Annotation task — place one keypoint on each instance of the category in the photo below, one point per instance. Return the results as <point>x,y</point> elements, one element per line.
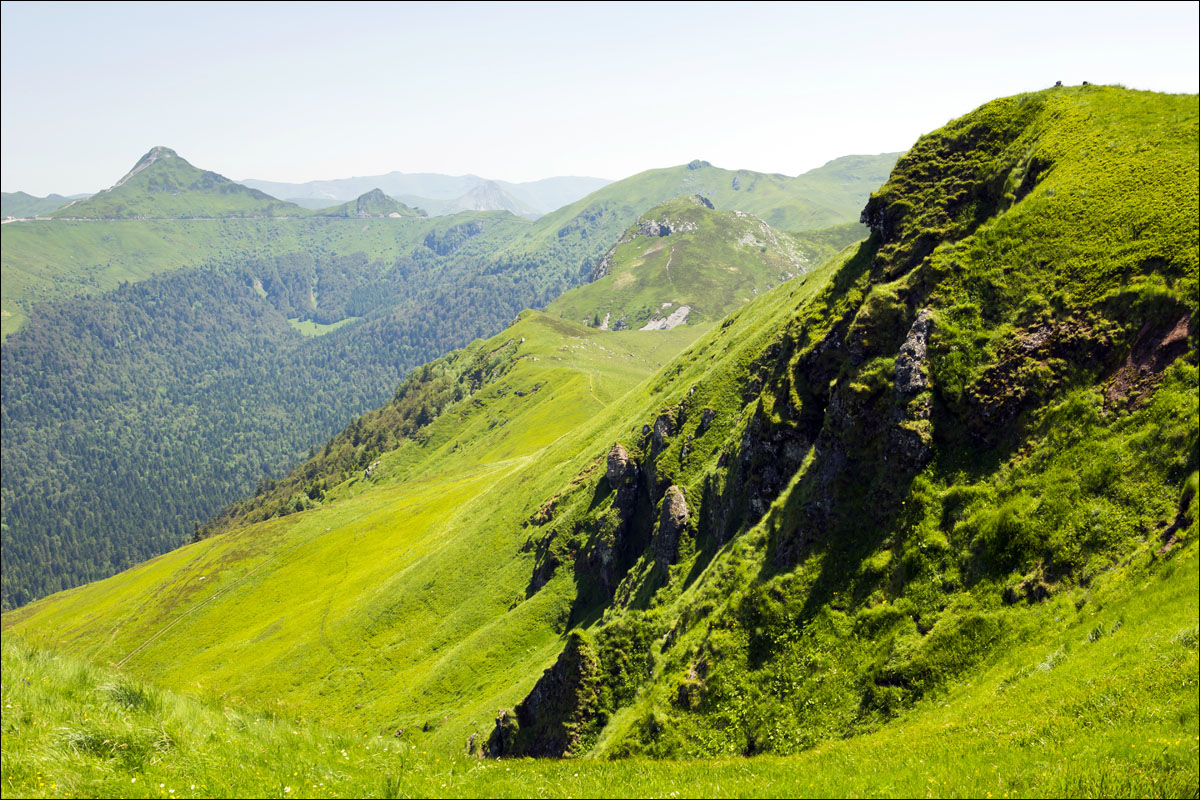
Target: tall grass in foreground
<point>1106,706</point>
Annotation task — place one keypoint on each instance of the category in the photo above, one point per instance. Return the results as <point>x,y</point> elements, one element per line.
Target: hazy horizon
<point>520,92</point>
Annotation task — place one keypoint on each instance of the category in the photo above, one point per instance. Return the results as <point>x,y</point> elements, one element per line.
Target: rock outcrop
<point>618,460</point>
<point>562,712</point>
<point>672,523</point>
<point>662,430</point>
<point>910,375</point>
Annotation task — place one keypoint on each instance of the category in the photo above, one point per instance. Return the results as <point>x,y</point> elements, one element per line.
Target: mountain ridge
<point>537,197</point>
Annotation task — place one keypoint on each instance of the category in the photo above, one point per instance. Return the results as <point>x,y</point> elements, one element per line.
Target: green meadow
<point>1103,703</point>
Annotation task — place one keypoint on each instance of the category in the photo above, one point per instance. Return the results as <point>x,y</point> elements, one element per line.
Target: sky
<point>297,91</point>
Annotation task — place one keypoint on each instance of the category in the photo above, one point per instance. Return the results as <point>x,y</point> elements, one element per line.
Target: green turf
<point>389,546</point>
<point>1102,704</point>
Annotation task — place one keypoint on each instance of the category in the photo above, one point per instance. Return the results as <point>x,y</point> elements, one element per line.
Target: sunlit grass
<point>1112,715</point>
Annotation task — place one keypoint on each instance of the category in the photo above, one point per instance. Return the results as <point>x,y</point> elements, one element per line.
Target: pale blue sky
<point>296,92</point>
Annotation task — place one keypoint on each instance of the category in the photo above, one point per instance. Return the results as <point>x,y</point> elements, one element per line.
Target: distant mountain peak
<point>375,203</point>
<point>155,154</point>
<point>163,185</point>
<point>491,196</point>
<point>698,164</point>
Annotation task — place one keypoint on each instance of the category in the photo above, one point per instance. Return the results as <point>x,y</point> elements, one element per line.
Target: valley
<point>125,337</point>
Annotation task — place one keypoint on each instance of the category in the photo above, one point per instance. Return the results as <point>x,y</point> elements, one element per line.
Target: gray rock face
<point>561,712</point>
<point>604,264</point>
<point>618,460</point>
<point>672,522</point>
<point>663,428</point>
<point>910,378</point>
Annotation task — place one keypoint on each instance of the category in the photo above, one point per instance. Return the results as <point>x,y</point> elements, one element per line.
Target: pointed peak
<point>374,194</point>
<point>155,154</point>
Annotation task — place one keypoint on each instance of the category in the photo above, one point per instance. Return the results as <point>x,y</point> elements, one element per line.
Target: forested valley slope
<point>179,338</point>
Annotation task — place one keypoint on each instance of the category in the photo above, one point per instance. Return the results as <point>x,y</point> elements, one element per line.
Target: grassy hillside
<point>872,517</point>
<point>820,198</point>
<point>163,185</point>
<point>684,262</point>
<point>20,204</point>
<point>394,551</point>
<point>578,235</point>
<point>120,430</point>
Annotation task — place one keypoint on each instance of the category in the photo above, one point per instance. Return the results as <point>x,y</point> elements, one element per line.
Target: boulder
<point>618,461</point>
<point>672,522</point>
<point>663,428</point>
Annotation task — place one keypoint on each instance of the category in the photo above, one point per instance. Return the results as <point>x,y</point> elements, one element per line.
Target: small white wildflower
<point>287,789</point>
<point>133,780</point>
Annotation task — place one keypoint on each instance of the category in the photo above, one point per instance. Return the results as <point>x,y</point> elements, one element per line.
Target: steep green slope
<point>947,434</point>
<point>372,204</point>
<point>993,404</point>
<point>474,388</point>
<point>163,185</point>
<point>19,205</point>
<point>721,259</point>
